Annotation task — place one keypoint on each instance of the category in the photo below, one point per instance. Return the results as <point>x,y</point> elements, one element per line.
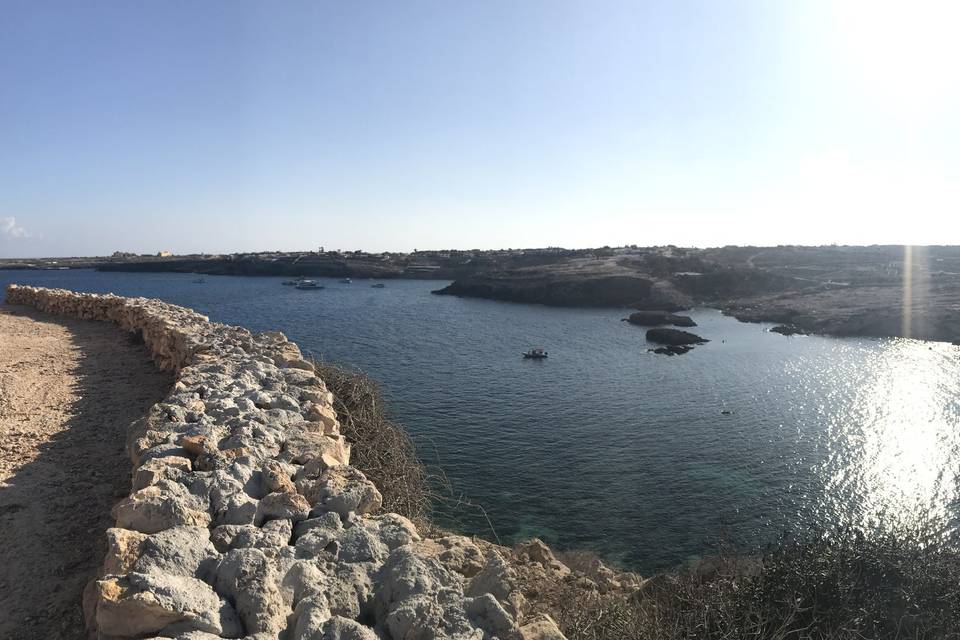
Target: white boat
<point>307,284</point>
<point>346,280</point>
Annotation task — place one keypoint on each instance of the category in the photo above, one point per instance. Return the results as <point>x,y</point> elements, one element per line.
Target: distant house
<point>164,254</point>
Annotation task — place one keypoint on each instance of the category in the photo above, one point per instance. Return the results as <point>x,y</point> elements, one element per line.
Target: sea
<point>648,460</point>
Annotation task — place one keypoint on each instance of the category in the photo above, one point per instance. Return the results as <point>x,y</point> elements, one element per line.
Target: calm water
<point>605,446</point>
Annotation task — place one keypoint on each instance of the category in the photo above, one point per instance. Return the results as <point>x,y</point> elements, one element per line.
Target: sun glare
<point>903,53</point>
<point>905,437</point>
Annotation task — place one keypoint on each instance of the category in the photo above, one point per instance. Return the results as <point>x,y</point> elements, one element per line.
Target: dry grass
<point>382,449</point>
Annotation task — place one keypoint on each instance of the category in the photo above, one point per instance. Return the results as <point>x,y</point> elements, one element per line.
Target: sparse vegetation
<point>846,586</point>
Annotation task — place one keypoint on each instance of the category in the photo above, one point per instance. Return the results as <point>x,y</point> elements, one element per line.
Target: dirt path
<point>68,391</point>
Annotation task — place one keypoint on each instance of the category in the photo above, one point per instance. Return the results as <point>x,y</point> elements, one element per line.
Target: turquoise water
<point>604,446</point>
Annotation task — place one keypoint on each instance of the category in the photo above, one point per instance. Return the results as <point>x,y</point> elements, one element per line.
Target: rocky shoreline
<point>245,518</point>
<point>872,291</point>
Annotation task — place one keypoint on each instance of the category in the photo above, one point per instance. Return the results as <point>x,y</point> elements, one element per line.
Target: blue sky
<point>234,126</point>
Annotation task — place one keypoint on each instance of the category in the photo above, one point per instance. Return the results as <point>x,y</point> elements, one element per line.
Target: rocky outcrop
<point>655,318</point>
<point>676,337</point>
<point>545,287</point>
<point>788,330</point>
<point>245,518</point>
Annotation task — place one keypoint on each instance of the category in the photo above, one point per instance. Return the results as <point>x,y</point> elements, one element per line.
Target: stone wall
<point>245,518</point>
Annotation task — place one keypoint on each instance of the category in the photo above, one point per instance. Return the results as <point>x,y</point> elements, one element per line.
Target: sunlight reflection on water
<point>893,454</point>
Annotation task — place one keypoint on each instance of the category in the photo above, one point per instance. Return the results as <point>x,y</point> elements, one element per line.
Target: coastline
<point>245,516</point>
<point>874,291</point>
<point>244,521</point>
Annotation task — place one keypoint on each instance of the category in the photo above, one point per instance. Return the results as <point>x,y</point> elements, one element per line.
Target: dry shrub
<point>847,586</point>
<point>382,449</point>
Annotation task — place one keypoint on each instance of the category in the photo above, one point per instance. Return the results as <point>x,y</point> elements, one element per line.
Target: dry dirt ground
<point>68,391</point>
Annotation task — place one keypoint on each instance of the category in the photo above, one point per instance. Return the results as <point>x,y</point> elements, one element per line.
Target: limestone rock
<point>340,628</point>
<point>123,550</point>
<point>178,551</point>
<point>309,617</point>
<point>197,445</point>
<point>274,534</point>
<point>418,598</point>
<point>536,551</point>
<point>138,604</point>
<point>497,577</point>
<point>150,510</point>
<point>360,543</point>
<point>324,414</point>
<point>275,478</point>
<point>542,628</point>
<point>393,530</point>
<point>340,489</point>
<point>237,508</point>
<point>288,506</point>
<point>485,612</point>
<point>457,553</point>
<point>302,446</point>
<point>247,578</point>
<point>285,402</point>
<point>156,469</point>
<point>316,535</point>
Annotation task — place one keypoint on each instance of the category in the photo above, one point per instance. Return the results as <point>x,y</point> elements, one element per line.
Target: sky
<point>240,126</point>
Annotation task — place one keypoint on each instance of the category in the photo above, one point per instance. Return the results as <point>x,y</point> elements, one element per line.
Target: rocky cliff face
<point>245,518</point>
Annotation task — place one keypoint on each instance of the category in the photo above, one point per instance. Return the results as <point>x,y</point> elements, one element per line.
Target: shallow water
<point>605,446</point>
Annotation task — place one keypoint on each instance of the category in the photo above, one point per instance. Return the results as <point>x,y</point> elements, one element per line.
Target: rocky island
<point>654,318</point>
<point>676,342</point>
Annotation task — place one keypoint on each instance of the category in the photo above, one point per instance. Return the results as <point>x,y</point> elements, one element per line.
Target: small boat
<point>537,353</point>
<point>346,280</point>
<point>308,284</point>
<point>290,283</point>
<point>379,285</point>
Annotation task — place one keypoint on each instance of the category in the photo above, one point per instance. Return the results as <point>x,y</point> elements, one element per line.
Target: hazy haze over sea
<point>604,446</point>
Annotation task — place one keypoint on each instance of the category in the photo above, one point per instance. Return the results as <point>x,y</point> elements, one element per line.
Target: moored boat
<point>379,285</point>
<point>308,284</point>
<point>346,280</point>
